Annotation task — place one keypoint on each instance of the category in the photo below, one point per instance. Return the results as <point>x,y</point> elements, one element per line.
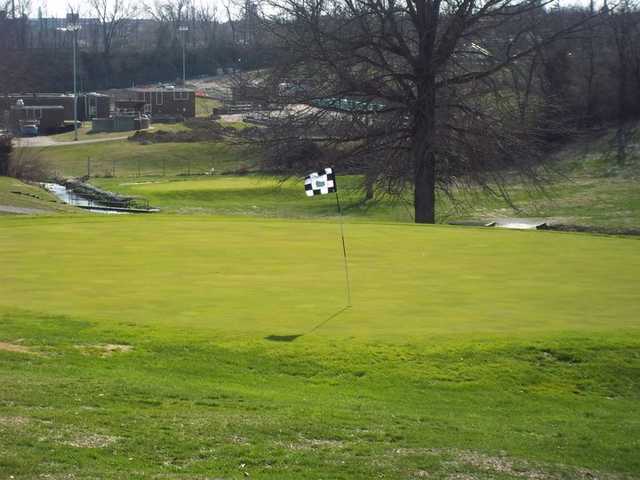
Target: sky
<point>58,8</point>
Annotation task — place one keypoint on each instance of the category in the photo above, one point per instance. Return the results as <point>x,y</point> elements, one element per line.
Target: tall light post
<point>184,30</point>
<point>73,26</point>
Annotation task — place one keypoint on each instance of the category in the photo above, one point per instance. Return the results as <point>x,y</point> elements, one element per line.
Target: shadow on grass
<point>282,338</point>
<point>291,338</point>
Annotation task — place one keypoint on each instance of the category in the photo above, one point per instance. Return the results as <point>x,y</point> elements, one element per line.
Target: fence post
<point>89,167</point>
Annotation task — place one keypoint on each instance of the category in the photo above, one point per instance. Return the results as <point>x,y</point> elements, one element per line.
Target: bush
<point>26,164</point>
<point>6,147</point>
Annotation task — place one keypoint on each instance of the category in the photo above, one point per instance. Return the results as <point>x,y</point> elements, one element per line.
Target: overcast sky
<point>58,8</point>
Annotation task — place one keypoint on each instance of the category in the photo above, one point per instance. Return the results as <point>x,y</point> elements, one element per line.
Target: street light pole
<point>184,30</point>
<point>75,85</point>
<point>74,27</point>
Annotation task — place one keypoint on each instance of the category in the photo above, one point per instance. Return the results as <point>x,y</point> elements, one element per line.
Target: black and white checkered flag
<point>322,184</point>
<point>316,184</point>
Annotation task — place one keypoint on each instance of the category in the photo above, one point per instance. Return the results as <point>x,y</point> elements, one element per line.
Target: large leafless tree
<point>419,91</point>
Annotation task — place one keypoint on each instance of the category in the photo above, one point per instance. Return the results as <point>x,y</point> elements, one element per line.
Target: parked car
<point>29,131</point>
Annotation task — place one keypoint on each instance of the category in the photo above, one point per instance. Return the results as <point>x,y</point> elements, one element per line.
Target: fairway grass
<point>253,196</point>
<point>197,347</point>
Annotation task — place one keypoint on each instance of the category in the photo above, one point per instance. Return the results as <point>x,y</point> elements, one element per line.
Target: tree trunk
<point>368,191</point>
<point>424,158</point>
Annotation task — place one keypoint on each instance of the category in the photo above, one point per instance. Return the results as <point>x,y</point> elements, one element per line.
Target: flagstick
<point>344,251</point>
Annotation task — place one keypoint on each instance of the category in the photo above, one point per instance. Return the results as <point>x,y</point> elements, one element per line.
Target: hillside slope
<point>589,186</point>
<point>17,197</point>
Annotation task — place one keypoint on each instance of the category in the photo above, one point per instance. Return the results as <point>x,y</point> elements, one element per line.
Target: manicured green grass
<point>468,353</point>
<point>253,195</point>
<point>609,202</point>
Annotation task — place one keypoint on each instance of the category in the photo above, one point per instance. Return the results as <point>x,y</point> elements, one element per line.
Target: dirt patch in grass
<point>238,440</point>
<point>421,474</point>
<point>418,451</point>
<point>12,347</point>
<point>104,350</point>
<point>521,469</point>
<point>311,443</point>
<point>62,476</point>
<point>13,422</point>
<point>93,440</point>
<point>500,465</point>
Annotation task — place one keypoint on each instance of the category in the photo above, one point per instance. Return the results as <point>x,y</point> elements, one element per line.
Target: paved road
<point>39,142</point>
<point>21,210</point>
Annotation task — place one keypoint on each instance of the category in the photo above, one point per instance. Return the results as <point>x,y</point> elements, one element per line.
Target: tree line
<point>120,43</point>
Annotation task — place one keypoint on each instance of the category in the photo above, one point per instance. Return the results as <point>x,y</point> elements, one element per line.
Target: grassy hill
<point>130,159</point>
<point>590,186</point>
<point>204,347</point>
<point>17,197</point>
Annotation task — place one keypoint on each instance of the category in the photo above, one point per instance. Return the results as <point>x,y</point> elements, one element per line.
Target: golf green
<point>193,347</point>
<point>284,277</point>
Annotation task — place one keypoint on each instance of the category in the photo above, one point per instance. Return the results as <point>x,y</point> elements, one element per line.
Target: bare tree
<point>623,23</point>
<point>171,15</point>
<point>206,18</point>
<point>112,17</point>
<point>414,91</point>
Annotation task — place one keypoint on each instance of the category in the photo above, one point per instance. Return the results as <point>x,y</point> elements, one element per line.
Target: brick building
<point>163,102</point>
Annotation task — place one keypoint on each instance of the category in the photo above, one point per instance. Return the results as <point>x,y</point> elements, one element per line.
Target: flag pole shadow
<point>291,338</point>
